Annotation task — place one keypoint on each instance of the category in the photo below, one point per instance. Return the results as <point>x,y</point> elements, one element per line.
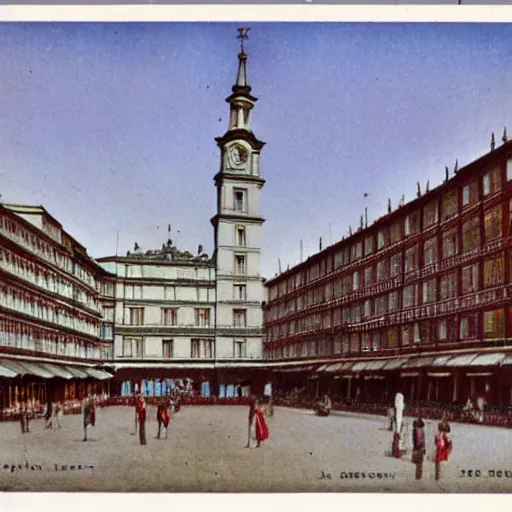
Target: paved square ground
<point>205,452</point>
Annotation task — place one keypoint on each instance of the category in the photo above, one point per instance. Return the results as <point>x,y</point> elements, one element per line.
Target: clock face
<point>237,156</point>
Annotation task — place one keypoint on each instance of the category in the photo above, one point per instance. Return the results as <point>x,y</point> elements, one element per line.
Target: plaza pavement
<point>205,452</point>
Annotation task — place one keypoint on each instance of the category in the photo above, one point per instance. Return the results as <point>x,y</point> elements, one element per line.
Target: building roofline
<point>461,176</point>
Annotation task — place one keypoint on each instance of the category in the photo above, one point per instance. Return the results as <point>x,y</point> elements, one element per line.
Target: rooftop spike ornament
<point>504,138</point>
<point>447,173</point>
<point>389,205</point>
<point>418,193</point>
<point>456,168</point>
<point>493,142</point>
<point>242,35</point>
<point>427,190</point>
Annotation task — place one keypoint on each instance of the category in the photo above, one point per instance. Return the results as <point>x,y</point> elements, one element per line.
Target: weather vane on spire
<point>242,34</point>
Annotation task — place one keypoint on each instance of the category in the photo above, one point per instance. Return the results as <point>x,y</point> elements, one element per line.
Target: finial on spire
<point>504,138</point>
<point>456,168</point>
<point>242,35</point>
<point>493,142</point>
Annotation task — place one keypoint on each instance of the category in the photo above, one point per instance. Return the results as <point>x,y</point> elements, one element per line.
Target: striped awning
<point>420,362</point>
<point>77,373</point>
<point>6,372</point>
<point>489,359</point>
<point>97,374</point>
<point>395,364</point>
<point>57,370</point>
<point>37,370</point>
<point>462,360</point>
<point>18,369</point>
<point>377,364</point>
<point>441,360</point>
<point>360,366</point>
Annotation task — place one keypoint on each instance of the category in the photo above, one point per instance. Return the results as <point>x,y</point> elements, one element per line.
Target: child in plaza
<point>418,443</point>
<point>443,445</point>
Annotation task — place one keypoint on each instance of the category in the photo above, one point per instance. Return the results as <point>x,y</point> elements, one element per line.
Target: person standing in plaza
<point>258,429</point>
<point>163,417</point>
<point>137,398</point>
<point>418,444</point>
<point>88,413</point>
<point>141,416</point>
<point>48,414</point>
<point>399,411</point>
<point>443,445</point>
<point>24,418</point>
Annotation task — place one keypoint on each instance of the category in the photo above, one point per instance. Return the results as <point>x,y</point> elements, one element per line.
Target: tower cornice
<point>240,133</point>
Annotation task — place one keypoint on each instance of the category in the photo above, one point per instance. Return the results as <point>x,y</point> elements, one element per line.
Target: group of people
<point>165,408</point>
<point>443,443</point>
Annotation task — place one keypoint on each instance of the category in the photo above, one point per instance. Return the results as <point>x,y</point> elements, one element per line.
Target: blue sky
<point>111,126</point>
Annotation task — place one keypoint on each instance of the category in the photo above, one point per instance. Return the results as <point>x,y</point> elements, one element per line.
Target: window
<point>240,236</point>
<point>355,281</point>
<point>450,243</point>
<point>170,293</point>
<point>396,232</point>
<point>240,200</point>
<point>368,275</point>
<point>430,214</point>
<point>381,305</point>
<point>393,301</point>
<point>168,349</point>
<point>429,291</point>
<point>133,347</point>
<point>107,289</point>
<point>470,193</point>
<point>369,245</point>
<point>367,309</point>
<point>356,251</point>
<point>208,348</point>
<point>382,239</point>
<point>509,170</point>
<point>411,259</point>
<point>493,324</point>
<point>136,316</point>
<point>395,265</point>
<point>106,332</point>
<point>202,317</point>
<point>467,327</point>
<point>240,292</point>
<point>492,181</point>
<point>492,223</point>
<point>240,264</point>
<point>239,349</point>
<point>195,348</point>
<point>442,330</point>
<point>471,234</point>
<point>382,270</point>
<point>239,318</point>
<point>449,286</point>
<point>412,224</point>
<point>494,271</point>
<point>169,316</point>
<point>470,279</point>
<point>450,205</point>
<point>429,251</point>
<point>409,296</point>
<point>108,313</point>
<point>406,338</point>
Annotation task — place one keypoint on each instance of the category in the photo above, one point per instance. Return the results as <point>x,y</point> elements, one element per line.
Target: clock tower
<point>237,227</point>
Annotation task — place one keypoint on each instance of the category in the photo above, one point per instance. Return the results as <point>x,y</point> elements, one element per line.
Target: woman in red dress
<point>258,429</point>
<point>443,446</point>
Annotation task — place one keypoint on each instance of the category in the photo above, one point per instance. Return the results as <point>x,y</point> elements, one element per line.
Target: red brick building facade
<point>420,299</point>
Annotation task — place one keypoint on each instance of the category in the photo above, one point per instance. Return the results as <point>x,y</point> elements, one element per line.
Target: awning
<point>25,368</point>
<point>440,361</point>
<point>420,362</point>
<point>507,361</point>
<point>77,374</point>
<point>377,364</point>
<point>14,367</point>
<point>37,370</point>
<point>395,363</point>
<point>332,368</point>
<point>58,371</point>
<point>360,366</point>
<point>6,372</point>
<point>463,360</point>
<point>488,359</point>
<point>410,374</point>
<point>98,374</point>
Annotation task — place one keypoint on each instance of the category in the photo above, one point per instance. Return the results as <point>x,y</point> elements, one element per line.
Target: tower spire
<point>241,79</point>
